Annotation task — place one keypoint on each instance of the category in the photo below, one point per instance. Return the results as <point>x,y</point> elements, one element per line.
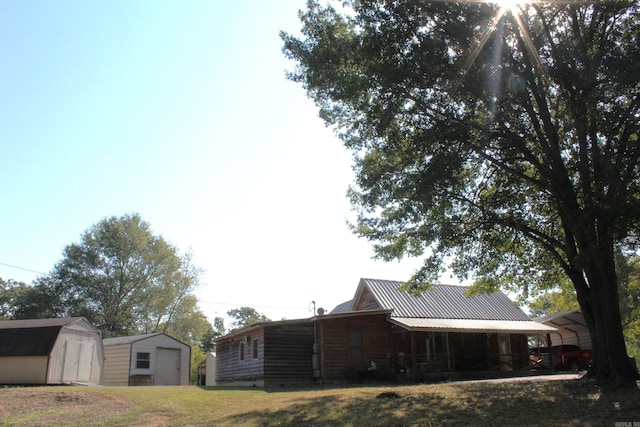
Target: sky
<point>179,111</point>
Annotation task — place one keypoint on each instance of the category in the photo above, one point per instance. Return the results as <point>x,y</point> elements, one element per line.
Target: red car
<point>565,357</point>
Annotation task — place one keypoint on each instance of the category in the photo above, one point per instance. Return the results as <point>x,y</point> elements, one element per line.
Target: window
<point>255,348</point>
<point>242,351</point>
<point>142,360</point>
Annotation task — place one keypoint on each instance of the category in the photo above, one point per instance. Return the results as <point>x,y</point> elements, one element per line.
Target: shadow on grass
<point>568,403</point>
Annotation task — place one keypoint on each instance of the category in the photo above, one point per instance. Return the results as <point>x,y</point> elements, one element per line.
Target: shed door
<point>78,357</point>
<point>167,369</point>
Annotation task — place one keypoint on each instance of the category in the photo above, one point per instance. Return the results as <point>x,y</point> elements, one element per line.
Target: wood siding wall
<point>288,354</point>
<point>366,301</point>
<point>231,369</point>
<point>334,335</point>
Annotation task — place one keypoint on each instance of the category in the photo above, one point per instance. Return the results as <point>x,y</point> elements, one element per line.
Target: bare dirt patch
<point>56,406</point>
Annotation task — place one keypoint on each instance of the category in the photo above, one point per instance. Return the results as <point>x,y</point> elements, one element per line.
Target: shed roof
<point>134,338</point>
<point>31,337</point>
<point>39,323</point>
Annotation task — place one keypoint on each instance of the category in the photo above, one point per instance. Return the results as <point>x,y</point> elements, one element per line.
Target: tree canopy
<point>499,143</point>
<point>125,280</point>
<point>245,316</point>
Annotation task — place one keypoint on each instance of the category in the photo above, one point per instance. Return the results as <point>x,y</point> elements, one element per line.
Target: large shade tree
<point>500,143</point>
<point>126,280</point>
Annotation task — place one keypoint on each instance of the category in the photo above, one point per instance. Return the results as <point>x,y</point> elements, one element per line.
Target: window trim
<point>141,360</point>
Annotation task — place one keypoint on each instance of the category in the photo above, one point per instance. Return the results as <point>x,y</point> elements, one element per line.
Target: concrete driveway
<point>535,378</point>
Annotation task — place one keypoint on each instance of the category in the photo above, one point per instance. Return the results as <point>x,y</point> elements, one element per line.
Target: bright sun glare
<point>515,8</point>
<point>508,5</point>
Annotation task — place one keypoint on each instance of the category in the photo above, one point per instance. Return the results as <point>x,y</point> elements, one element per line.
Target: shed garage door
<point>167,370</point>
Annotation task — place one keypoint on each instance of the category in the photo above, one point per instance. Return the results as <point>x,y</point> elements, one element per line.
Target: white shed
<point>207,370</point>
<point>50,351</point>
<point>150,359</point>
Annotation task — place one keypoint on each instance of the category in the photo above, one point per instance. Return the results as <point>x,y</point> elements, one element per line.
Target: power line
<point>199,300</point>
<point>255,306</point>
<point>21,268</point>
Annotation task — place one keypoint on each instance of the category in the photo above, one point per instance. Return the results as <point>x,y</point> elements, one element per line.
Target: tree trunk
<point>598,298</point>
<point>612,365</point>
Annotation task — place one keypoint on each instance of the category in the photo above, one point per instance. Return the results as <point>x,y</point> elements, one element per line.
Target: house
<point>207,370</point>
<point>571,329</point>
<point>266,354</point>
<point>50,351</point>
<point>149,359</point>
<point>387,332</point>
<point>384,333</point>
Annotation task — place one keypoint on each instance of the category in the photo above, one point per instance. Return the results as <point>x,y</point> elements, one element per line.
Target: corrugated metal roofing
<point>572,328</point>
<point>562,319</point>
<point>342,308</point>
<point>460,325</point>
<point>441,302</point>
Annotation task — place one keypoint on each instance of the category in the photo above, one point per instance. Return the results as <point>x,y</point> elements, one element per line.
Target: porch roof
<point>528,327</point>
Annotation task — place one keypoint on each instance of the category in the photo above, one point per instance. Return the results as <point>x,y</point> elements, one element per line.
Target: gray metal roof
<point>128,339</point>
<point>134,338</point>
<point>342,308</point>
<point>440,302</point>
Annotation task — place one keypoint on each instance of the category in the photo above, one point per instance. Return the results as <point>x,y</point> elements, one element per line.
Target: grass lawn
<point>523,403</point>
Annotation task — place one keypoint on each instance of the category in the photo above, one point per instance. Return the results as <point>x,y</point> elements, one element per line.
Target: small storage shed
<point>207,370</point>
<point>149,359</point>
<point>50,351</point>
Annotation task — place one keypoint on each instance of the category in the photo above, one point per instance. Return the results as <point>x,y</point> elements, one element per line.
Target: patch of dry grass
<point>564,403</point>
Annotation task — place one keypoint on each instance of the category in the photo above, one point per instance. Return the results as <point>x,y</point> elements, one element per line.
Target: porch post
<point>552,362</point>
<point>414,357</point>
